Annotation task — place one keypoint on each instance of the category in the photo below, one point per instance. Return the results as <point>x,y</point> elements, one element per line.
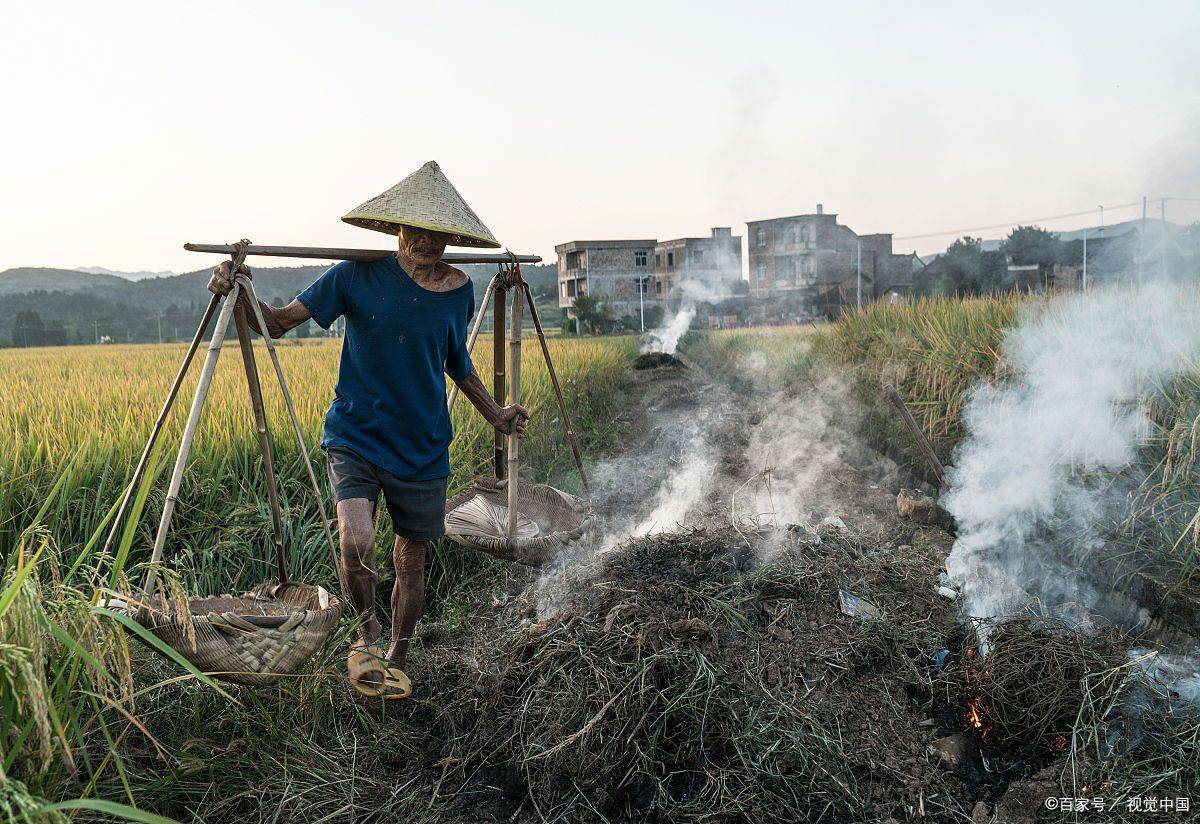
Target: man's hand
<point>221,282</point>
<point>511,419</point>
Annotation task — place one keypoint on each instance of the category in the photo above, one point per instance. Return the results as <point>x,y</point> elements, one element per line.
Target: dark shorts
<point>418,508</point>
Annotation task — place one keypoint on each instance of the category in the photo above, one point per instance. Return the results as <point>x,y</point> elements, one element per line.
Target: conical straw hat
<point>425,199</point>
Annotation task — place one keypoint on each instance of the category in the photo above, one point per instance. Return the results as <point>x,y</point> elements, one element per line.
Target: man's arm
<point>505,418</point>
<point>279,321</point>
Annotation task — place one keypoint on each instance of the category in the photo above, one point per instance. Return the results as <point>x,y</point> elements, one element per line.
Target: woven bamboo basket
<point>253,639</point>
<point>267,633</point>
<point>548,520</point>
<point>502,515</point>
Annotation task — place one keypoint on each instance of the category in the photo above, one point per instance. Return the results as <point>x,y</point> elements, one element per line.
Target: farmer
<point>388,428</point>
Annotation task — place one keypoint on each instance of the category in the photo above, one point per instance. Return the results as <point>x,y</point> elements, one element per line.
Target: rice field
<point>73,421</point>
<point>87,411</point>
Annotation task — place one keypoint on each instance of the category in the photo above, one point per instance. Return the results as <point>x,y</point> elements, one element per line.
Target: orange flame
<point>973,714</point>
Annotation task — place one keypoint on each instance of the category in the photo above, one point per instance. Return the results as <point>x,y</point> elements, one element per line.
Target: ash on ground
<point>657,360</point>
<point>688,679</point>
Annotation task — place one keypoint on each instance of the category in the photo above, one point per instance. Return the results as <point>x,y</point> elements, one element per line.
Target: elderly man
<point>388,428</point>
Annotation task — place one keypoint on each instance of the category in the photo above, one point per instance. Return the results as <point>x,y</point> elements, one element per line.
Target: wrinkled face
<point>422,246</point>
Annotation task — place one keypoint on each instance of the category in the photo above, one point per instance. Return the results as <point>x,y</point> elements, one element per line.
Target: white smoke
<point>684,488</point>
<point>1031,483</point>
<point>798,446</point>
<point>1169,675</point>
<point>712,287</point>
<point>666,337</point>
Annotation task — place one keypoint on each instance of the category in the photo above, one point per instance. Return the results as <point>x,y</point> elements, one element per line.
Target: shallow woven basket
<point>548,520</point>
<point>253,639</point>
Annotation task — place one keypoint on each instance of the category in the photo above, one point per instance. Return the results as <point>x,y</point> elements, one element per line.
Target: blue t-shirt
<point>402,340</point>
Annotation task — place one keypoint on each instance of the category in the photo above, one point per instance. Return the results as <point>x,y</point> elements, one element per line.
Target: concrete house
<point>812,259</point>
<point>714,263</point>
<point>611,270</point>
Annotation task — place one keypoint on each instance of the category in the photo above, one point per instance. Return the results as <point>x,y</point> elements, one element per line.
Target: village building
<point>713,264</point>
<point>619,272</point>
<point>811,264</point>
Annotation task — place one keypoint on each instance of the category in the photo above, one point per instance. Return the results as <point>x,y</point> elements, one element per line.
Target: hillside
<point>31,278</point>
<point>48,307</point>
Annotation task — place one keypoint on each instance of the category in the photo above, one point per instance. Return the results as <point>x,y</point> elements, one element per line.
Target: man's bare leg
<point>408,595</point>
<point>356,528</point>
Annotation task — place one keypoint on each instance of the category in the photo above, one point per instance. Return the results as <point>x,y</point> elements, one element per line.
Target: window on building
<point>574,260</point>
<point>697,255</point>
<point>760,237</point>
<point>760,270</point>
<point>795,234</point>
<point>658,287</point>
<point>804,234</point>
<point>639,258</point>
<point>670,258</point>
<point>657,260</point>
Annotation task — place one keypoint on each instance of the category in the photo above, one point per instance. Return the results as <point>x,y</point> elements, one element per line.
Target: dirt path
<point>705,446</point>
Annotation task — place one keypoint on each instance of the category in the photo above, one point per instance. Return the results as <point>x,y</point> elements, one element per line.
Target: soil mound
<point>657,360</point>
<point>686,677</point>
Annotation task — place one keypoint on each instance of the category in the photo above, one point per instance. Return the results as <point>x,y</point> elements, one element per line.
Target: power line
<point>1027,221</point>
<point>1012,223</point>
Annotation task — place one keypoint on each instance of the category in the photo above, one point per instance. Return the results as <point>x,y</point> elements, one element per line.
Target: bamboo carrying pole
<point>264,437</point>
<point>935,464</point>
<point>158,424</point>
<point>498,388</point>
<point>562,404</point>
<point>514,383</point>
<point>366,255</point>
<point>189,434</point>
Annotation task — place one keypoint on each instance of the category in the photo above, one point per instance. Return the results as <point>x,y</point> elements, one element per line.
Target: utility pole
<point>858,284</point>
<point>1162,237</point>
<point>159,317</point>
<point>96,324</point>
<point>1085,234</point>
<point>1142,241</point>
<point>641,302</point>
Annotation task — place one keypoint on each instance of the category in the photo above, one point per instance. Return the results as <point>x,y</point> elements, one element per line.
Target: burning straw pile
<point>1038,676</point>
<point>688,679</point>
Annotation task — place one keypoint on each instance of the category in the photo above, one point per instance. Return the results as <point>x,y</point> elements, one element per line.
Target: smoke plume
<point>666,337</point>
<point>709,287</point>
<point>1040,468</point>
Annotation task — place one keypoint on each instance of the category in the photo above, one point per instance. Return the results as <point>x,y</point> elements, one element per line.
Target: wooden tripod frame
<point>506,450</point>
<point>229,309</point>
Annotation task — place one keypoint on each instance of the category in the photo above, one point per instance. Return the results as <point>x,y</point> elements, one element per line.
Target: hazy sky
<point>132,127</point>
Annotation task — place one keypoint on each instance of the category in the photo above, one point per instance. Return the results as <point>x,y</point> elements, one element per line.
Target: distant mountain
<point>34,278</point>
<point>100,270</point>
